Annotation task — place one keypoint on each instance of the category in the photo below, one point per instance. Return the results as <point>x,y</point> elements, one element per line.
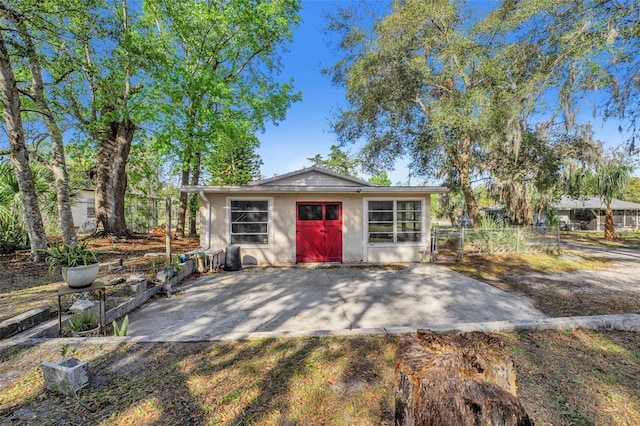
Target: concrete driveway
<point>293,301</point>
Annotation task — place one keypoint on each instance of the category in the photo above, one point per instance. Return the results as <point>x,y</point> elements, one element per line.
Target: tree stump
<point>464,379</point>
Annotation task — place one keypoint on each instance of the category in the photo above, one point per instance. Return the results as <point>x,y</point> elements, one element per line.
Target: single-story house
<point>315,215</point>
<point>83,210</point>
<point>141,211</point>
<point>589,213</point>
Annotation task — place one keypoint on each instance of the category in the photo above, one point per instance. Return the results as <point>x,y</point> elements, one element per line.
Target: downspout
<point>207,220</point>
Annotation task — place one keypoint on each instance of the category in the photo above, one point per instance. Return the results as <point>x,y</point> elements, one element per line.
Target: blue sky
<point>306,130</point>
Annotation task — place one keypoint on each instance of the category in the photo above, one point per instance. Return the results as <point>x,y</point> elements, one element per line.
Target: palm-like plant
<point>11,206</point>
<point>609,181</point>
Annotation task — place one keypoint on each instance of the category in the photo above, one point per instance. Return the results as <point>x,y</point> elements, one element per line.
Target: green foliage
<point>11,206</point>
<point>456,90</point>
<point>175,264</point>
<point>66,352</point>
<point>609,180</point>
<point>121,331</point>
<point>234,162</point>
<point>67,255</point>
<point>338,161</point>
<point>498,238</point>
<point>13,236</point>
<point>83,321</point>
<point>380,179</point>
<point>632,191</point>
<point>155,265</point>
<point>452,206</point>
<point>214,68</point>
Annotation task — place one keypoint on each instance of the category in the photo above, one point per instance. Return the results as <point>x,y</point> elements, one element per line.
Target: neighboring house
<point>141,211</point>
<point>314,215</point>
<point>589,213</point>
<point>83,211</point>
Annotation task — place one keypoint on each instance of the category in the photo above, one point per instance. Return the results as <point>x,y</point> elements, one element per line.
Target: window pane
<point>409,205</point>
<point>381,238</point>
<point>409,216</point>
<point>249,228</point>
<point>249,217</point>
<point>409,226</point>
<point>408,237</point>
<point>380,216</point>
<point>380,205</point>
<point>333,212</point>
<point>249,205</point>
<point>380,227</point>
<point>249,221</point>
<point>249,239</point>
<point>395,222</point>
<point>309,212</point>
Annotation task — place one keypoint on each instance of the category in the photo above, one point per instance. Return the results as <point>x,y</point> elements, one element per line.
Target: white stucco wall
<point>281,249</point>
<point>79,206</point>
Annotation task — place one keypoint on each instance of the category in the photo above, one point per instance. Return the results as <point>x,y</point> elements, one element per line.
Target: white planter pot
<point>68,376</point>
<point>80,276</point>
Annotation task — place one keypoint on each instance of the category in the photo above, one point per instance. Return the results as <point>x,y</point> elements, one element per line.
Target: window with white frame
<point>394,221</point>
<point>249,221</point>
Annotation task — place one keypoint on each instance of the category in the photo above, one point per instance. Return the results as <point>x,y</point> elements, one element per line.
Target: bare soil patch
<point>25,285</point>
<point>561,285</point>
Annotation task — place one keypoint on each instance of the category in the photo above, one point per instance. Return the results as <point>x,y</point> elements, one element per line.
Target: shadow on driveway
<point>291,300</point>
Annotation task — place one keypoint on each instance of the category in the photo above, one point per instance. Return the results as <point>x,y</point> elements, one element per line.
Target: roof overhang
<point>275,189</point>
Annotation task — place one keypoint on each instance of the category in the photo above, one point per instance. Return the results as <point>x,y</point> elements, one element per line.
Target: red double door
<point>318,232</point>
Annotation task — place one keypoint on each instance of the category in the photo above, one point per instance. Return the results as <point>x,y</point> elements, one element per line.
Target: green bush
<point>497,237</point>
<point>13,237</point>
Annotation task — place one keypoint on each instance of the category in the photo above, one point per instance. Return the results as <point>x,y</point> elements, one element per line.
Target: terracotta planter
<point>80,276</point>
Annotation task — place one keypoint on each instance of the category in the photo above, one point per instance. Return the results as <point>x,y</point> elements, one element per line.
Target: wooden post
<point>167,218</point>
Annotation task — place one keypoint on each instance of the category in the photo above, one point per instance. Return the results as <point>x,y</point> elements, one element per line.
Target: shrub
<point>13,237</point>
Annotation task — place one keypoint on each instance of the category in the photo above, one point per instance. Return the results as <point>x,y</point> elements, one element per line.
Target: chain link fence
<point>455,243</point>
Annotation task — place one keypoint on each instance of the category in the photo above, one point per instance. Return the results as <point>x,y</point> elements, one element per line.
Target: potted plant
<point>67,376</point>
<point>78,265</point>
<point>84,324</point>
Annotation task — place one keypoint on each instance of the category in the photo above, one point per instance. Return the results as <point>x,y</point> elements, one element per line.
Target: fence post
<point>517,240</point>
<point>167,219</point>
<point>558,238</point>
<point>461,254</point>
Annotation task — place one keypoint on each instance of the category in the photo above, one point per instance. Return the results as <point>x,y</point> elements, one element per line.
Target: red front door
<point>318,232</point>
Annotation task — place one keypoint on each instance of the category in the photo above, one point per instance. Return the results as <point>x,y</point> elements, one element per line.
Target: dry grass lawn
<point>565,378</point>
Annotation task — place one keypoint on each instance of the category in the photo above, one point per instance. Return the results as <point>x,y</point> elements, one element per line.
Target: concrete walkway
<point>292,301</point>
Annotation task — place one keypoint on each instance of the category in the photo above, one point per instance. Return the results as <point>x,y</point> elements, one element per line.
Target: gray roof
<point>593,203</point>
<point>312,170</point>
<point>316,180</point>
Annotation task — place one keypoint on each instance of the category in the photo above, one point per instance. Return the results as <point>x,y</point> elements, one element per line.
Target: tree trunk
<point>182,206</point>
<point>465,379</point>
<point>111,178</point>
<point>469,196</point>
<point>609,228</point>
<point>193,204</point>
<point>19,155</point>
<point>463,165</point>
<point>58,165</point>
